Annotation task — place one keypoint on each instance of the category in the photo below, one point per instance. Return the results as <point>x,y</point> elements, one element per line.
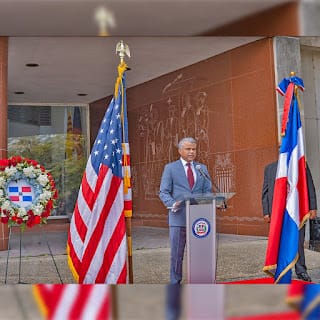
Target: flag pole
<point>122,50</point>
<point>114,302</point>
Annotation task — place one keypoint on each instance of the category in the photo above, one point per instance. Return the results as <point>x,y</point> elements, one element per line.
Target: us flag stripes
<point>72,301</point>
<point>97,247</point>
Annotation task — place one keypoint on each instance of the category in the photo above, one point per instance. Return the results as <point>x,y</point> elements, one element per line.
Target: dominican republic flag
<point>290,199</point>
<point>20,193</point>
<point>305,298</point>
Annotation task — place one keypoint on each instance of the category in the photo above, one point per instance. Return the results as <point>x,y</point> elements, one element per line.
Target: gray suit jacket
<point>270,173</point>
<point>175,187</point>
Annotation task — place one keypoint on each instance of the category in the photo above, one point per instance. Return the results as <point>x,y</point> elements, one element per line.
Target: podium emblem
<point>201,228</point>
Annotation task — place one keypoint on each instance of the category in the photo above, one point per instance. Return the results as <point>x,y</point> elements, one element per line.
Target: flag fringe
<point>304,220</point>
<point>71,266</point>
<point>287,268</point>
<point>311,306</point>
<point>42,306</point>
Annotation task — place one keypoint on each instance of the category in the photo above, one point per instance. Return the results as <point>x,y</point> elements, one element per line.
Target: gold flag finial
<point>122,49</point>
<point>292,73</point>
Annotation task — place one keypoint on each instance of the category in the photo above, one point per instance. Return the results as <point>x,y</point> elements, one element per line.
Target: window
<point>56,137</point>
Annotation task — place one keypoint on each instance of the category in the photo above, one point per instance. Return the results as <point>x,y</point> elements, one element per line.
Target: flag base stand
<point>20,257</point>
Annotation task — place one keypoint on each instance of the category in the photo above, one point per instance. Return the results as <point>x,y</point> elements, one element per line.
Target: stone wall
<point>228,103</point>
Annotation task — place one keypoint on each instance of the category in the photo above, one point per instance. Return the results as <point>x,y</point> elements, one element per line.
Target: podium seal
<point>201,228</point>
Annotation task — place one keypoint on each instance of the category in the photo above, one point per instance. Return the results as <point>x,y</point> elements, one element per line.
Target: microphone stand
<point>224,204</point>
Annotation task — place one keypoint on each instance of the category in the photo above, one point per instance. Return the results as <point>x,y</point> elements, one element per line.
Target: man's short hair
<point>187,139</point>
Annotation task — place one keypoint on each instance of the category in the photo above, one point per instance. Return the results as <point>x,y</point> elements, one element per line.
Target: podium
<point>201,235</point>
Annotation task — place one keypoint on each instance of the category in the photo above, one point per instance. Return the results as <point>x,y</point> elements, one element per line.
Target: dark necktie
<point>190,175</point>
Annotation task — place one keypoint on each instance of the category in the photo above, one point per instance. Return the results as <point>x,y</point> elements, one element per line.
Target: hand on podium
<point>176,206</point>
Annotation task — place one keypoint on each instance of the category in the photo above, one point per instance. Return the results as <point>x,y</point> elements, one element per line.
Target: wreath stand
<point>20,256</point>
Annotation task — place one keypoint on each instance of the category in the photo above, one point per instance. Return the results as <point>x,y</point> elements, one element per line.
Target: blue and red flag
<point>290,201</point>
<point>306,299</point>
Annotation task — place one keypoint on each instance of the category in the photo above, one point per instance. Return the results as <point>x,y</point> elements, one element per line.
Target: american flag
<point>290,205</point>
<point>72,301</point>
<point>97,246</point>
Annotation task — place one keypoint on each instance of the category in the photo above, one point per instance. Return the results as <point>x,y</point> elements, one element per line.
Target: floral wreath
<point>35,179</point>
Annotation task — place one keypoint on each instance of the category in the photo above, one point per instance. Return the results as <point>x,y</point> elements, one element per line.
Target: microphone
<point>204,174</point>
<point>198,167</point>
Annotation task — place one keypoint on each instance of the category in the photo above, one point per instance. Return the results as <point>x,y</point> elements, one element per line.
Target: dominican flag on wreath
<point>290,200</point>
<point>20,193</point>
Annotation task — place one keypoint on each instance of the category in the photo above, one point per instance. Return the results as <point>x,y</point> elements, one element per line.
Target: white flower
<point>43,179</point>
<point>2,182</point>
<point>22,212</point>
<point>46,195</point>
<point>38,209</point>
<point>6,205</point>
<point>1,193</point>
<point>10,171</point>
<point>29,172</point>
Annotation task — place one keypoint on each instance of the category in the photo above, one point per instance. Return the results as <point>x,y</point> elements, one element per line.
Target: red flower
<point>4,219</point>
<point>49,205</point>
<point>29,223</point>
<point>36,220</point>
<point>4,163</point>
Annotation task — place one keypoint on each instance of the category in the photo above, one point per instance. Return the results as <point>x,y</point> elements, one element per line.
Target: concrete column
<point>3,121</point>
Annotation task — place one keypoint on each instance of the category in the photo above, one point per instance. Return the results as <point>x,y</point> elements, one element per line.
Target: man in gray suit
<point>181,179</point>
<point>270,173</point>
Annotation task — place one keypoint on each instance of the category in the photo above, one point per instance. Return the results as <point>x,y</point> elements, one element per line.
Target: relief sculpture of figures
<point>171,129</point>
<point>181,112</point>
<point>201,121</point>
<point>187,117</point>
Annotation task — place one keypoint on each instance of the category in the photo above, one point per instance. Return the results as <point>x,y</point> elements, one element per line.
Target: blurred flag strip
<point>305,298</point>
<point>290,315</point>
<point>290,202</point>
<point>71,301</point>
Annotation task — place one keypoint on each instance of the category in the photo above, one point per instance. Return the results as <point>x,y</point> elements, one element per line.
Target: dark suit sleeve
<point>311,191</point>
<point>265,190</point>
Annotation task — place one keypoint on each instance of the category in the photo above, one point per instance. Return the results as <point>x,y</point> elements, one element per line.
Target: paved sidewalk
<point>238,257</point>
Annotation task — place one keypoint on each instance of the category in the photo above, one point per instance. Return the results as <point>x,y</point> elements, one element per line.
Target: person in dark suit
<point>270,173</point>
<point>180,179</point>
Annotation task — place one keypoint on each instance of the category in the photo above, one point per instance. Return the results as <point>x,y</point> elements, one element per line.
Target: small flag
<point>20,193</point>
